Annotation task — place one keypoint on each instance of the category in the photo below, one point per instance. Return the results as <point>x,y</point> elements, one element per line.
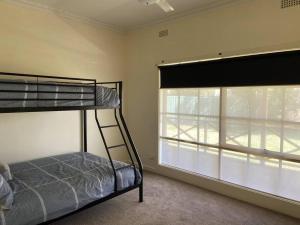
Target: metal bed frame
<point>118,115</point>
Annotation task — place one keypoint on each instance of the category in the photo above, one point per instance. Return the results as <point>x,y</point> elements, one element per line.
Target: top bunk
<point>37,93</point>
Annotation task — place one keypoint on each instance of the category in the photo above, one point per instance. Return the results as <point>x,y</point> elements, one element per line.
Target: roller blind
<point>265,69</point>
<point>249,136</point>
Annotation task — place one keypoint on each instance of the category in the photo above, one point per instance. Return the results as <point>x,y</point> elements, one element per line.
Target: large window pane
<point>273,176</point>
<point>254,102</point>
<point>255,117</point>
<point>190,157</point>
<point>259,130</point>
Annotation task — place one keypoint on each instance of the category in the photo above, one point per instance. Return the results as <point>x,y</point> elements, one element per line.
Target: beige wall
<point>41,42</point>
<point>240,28</point>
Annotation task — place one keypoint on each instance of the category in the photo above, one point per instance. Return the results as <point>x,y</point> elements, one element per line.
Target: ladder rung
<point>116,146</point>
<point>125,167</point>
<point>109,126</point>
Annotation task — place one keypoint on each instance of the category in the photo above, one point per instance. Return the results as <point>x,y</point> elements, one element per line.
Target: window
<point>244,135</point>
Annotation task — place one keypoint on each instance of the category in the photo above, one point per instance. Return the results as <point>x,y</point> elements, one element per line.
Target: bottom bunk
<point>51,187</point>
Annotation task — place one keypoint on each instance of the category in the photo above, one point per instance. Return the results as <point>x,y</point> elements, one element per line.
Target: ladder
<point>127,142</point>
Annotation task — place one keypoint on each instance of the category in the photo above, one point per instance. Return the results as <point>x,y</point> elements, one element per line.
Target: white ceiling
<point>124,14</point>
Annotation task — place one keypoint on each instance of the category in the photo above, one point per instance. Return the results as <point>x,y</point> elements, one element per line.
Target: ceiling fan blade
<point>165,5</point>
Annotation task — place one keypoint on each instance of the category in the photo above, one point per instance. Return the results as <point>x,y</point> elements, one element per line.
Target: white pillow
<point>5,171</point>
<point>6,195</point>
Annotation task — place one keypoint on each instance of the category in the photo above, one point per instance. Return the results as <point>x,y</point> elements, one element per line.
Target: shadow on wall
<point>47,43</point>
<point>102,47</point>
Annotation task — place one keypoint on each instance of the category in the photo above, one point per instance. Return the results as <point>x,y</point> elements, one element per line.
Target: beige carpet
<point>169,202</point>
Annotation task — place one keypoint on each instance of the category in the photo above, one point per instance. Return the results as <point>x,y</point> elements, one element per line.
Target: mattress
<point>51,187</point>
<point>28,94</point>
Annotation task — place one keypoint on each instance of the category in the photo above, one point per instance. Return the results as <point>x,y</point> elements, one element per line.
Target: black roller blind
<point>265,69</point>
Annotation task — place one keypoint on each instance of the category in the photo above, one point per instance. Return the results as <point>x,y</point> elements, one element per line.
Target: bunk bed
<point>51,188</point>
